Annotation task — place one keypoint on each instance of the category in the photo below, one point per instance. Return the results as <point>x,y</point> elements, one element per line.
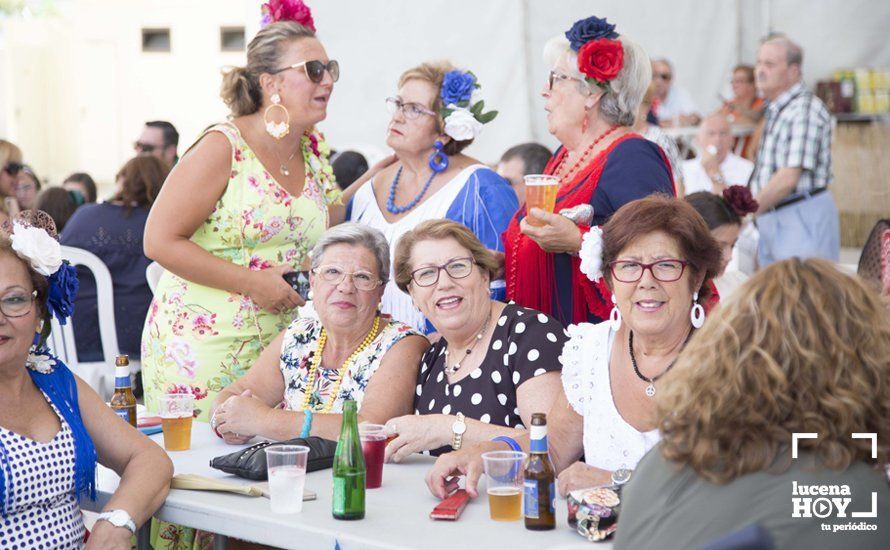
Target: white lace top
<point>610,442</point>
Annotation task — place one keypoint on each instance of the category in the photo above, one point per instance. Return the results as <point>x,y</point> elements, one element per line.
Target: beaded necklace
<point>316,363</point>
<point>391,201</point>
<point>564,177</point>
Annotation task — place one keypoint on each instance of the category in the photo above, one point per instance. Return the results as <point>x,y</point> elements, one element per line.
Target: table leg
<point>143,536</point>
<point>219,542</point>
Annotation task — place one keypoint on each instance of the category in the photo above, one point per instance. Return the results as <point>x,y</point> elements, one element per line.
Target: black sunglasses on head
<point>12,168</point>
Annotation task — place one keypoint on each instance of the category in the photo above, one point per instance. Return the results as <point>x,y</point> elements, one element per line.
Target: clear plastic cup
<point>177,411</point>
<point>504,470</point>
<point>540,192</point>
<point>287,477</point>
<point>374,440</point>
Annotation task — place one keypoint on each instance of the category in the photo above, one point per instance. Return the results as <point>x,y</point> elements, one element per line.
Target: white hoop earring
<point>697,315</point>
<point>276,129</point>
<point>615,315</point>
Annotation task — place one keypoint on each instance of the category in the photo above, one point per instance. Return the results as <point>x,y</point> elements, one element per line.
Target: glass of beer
<point>287,477</point>
<point>176,411</point>
<point>504,470</point>
<point>540,192</point>
<point>374,440</point>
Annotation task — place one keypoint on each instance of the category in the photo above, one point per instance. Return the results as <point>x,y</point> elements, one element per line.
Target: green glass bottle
<point>349,468</point>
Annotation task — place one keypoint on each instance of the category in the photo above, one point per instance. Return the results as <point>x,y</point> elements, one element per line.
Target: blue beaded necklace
<point>391,201</point>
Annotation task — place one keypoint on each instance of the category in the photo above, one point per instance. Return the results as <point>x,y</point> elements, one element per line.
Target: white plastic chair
<point>153,275</point>
<point>99,375</point>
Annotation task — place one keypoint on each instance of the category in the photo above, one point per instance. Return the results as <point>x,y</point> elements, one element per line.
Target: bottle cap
<point>122,361</point>
<point>539,419</point>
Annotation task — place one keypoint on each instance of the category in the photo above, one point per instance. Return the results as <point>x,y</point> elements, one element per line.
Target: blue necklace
<point>391,201</point>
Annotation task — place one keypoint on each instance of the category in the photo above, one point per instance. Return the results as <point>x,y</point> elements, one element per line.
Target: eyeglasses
<point>13,168</point>
<point>411,110</point>
<point>144,148</point>
<point>666,271</point>
<point>17,305</point>
<point>458,268</point>
<point>663,76</point>
<point>335,275</point>
<point>555,76</point>
<point>315,69</point>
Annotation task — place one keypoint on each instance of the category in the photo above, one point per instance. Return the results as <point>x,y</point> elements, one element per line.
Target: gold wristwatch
<point>457,430</point>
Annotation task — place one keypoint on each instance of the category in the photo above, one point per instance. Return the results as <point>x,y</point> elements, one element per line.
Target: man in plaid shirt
<point>797,214</point>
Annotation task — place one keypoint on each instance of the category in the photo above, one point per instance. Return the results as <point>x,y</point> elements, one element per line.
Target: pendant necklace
<point>285,171</point>
<point>450,371</point>
<point>650,389</point>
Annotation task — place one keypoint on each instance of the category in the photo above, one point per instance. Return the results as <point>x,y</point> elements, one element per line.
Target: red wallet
<point>451,507</point>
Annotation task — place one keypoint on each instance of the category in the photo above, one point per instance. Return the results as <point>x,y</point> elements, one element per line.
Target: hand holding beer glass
<point>504,470</point>
<point>540,192</point>
<point>176,411</point>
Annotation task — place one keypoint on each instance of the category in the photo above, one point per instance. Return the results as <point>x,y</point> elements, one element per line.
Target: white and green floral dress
<point>207,337</point>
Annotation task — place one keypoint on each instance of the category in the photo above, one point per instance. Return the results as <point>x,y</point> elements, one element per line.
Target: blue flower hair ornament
<point>63,286</point>
<point>592,28</point>
<point>463,119</point>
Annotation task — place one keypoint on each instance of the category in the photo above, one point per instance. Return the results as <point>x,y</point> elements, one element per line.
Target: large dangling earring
<point>36,340</point>
<point>697,315</point>
<point>438,160</point>
<point>276,129</point>
<point>615,315</point>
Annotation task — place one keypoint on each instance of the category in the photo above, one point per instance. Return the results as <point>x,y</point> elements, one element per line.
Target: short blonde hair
<point>9,152</point>
<point>434,73</point>
<point>800,347</point>
<point>437,230</point>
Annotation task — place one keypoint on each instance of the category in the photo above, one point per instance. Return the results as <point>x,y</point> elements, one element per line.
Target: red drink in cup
<point>374,441</point>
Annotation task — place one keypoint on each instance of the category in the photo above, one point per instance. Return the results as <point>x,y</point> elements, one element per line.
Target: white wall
<point>77,88</point>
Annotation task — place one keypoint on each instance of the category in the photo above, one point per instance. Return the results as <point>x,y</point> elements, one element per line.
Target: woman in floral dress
<point>241,209</point>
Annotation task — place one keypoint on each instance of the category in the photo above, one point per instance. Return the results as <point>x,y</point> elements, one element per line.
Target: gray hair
<point>621,104</point>
<point>241,85</point>
<point>793,52</point>
<point>354,234</point>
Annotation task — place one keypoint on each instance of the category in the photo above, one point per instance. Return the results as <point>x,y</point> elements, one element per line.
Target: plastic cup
<point>287,477</point>
<point>504,470</point>
<point>177,411</point>
<point>540,192</point>
<point>374,439</point>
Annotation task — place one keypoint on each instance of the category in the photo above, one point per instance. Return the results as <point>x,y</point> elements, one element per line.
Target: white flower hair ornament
<point>34,245</point>
<point>591,254</point>
<point>463,118</point>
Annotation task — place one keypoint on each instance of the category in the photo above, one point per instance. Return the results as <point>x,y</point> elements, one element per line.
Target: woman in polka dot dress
<point>53,427</point>
<point>495,363</point>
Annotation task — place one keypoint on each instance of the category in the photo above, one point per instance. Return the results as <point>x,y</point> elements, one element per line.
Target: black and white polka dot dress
<point>525,343</point>
<point>43,510</point>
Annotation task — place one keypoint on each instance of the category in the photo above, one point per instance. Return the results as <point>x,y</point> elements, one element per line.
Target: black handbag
<point>250,463</point>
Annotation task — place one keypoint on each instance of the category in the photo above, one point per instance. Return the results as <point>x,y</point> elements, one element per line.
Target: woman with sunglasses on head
<point>242,208</point>
<point>434,118</point>
<point>350,352</point>
<point>495,364</point>
<point>657,257</point>
<point>10,166</point>
<point>596,83</point>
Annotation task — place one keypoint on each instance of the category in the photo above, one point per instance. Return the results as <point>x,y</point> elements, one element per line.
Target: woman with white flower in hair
<point>435,116</point>
<point>657,257</point>
<point>53,426</point>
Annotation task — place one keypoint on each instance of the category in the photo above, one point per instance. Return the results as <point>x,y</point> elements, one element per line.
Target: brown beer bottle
<point>123,402</point>
<point>540,491</point>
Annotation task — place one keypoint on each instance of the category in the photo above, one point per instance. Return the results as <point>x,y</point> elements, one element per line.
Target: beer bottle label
<point>124,414</point>
<point>340,495</point>
<point>531,499</point>
<point>552,498</point>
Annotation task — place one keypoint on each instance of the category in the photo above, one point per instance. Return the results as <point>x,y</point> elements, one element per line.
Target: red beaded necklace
<point>564,177</point>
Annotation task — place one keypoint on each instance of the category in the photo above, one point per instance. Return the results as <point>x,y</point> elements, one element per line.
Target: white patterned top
<point>43,509</point>
<point>298,349</point>
<point>610,442</point>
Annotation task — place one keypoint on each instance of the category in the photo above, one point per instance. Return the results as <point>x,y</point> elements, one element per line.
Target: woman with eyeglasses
<point>10,166</point>
<point>657,258</point>
<point>351,351</point>
<point>596,83</point>
<point>495,363</point>
<point>434,119</point>
<point>242,207</point>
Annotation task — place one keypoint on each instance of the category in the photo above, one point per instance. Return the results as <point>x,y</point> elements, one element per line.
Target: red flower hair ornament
<point>601,60</point>
<point>287,10</point>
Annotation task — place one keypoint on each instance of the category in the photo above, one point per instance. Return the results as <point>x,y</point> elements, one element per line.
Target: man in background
<point>159,138</point>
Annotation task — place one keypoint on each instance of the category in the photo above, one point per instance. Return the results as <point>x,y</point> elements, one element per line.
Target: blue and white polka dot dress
<point>43,511</point>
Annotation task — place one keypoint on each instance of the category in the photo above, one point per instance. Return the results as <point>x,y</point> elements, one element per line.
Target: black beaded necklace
<point>650,389</point>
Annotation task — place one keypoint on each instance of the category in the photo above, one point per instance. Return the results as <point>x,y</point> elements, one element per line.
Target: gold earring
<point>276,129</point>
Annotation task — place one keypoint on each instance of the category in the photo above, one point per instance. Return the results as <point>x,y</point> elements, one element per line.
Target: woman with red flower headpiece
<point>597,81</point>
